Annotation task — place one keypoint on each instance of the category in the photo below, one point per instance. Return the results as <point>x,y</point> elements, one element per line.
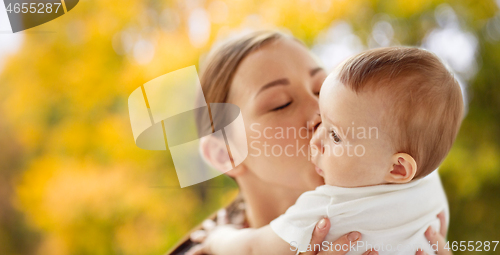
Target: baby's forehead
<point>338,101</point>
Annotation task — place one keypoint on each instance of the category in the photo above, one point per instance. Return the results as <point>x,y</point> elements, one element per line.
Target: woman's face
<point>277,88</point>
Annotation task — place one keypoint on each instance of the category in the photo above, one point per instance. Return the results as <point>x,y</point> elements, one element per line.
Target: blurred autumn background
<point>72,180</point>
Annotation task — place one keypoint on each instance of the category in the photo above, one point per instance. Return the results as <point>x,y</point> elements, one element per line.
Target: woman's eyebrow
<point>315,70</point>
<point>283,81</point>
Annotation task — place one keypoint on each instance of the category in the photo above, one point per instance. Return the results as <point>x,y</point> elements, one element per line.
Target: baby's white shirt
<point>392,218</point>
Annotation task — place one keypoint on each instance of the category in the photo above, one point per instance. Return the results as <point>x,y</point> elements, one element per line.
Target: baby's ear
<point>403,168</point>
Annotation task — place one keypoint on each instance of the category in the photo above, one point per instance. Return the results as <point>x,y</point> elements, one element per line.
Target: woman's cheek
<point>274,142</point>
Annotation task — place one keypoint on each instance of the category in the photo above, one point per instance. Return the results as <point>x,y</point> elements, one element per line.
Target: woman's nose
<point>316,138</point>
<point>311,109</point>
<point>313,124</point>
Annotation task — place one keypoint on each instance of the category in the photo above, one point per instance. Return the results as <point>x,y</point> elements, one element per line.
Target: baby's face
<point>352,148</point>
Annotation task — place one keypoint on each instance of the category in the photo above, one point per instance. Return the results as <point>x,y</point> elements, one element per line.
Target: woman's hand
<point>215,235</point>
<point>200,236</point>
<point>319,234</point>
<point>437,239</point>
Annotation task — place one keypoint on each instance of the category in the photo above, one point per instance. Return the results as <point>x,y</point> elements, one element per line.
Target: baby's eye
<point>334,136</point>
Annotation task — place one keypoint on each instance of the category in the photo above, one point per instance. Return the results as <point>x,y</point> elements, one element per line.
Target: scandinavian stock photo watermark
<point>400,248</point>
<point>363,246</point>
<point>26,14</point>
<point>265,141</point>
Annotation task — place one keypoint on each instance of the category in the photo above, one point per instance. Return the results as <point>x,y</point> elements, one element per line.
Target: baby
<point>389,118</point>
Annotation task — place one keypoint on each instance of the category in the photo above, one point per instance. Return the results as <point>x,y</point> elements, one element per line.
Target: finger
<point>196,250</point>
<point>437,239</point>
<point>222,218</point>
<point>319,233</point>
<point>198,236</point>
<point>443,229</point>
<point>370,252</point>
<point>208,224</point>
<point>420,252</point>
<point>344,243</point>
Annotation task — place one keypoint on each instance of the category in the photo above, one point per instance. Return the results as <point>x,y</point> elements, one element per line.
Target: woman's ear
<point>215,152</point>
<point>403,168</point>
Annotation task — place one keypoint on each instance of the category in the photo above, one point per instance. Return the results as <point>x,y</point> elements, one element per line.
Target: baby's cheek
<point>344,171</point>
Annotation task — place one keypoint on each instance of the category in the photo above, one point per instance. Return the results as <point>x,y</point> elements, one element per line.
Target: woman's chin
<point>319,171</point>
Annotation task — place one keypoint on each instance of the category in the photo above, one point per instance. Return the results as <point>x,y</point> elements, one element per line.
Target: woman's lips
<point>318,170</point>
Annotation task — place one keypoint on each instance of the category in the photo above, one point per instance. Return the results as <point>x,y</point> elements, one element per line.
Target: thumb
<point>319,234</point>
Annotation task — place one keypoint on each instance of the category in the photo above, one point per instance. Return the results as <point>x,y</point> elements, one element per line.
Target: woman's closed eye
<point>283,106</point>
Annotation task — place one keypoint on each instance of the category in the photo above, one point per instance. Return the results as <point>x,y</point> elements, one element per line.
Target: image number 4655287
<point>25,14</point>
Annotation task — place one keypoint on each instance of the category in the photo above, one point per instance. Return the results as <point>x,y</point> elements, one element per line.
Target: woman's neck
<point>264,201</point>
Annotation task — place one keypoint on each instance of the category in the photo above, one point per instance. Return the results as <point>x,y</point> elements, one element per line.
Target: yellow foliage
<point>83,185</point>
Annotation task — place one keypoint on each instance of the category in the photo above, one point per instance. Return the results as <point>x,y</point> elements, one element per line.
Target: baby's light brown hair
<point>425,104</point>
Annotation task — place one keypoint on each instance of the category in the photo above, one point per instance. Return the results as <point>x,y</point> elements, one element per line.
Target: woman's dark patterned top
<point>235,214</point>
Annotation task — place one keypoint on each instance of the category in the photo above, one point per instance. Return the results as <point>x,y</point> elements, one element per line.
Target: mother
<point>275,80</point>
